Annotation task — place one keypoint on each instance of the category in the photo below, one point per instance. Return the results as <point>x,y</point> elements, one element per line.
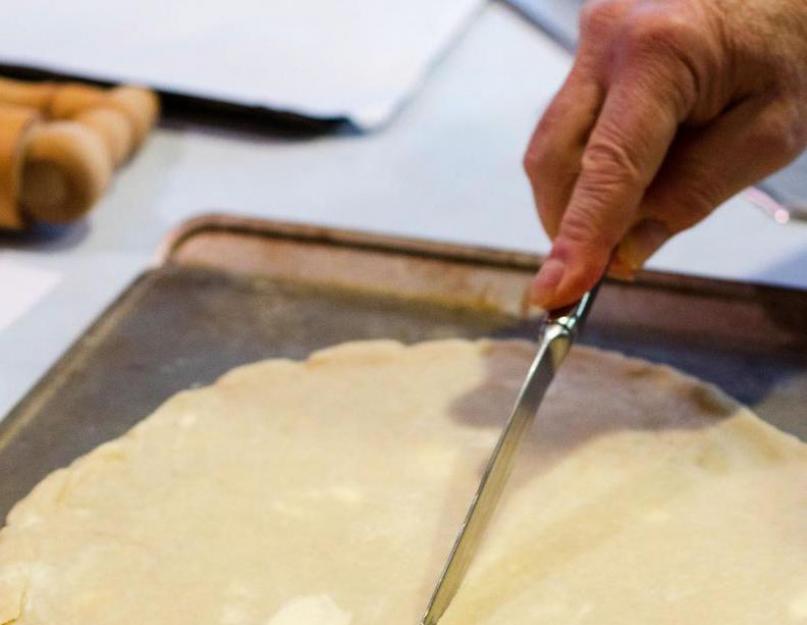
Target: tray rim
<point>25,407</point>
<point>15,417</point>
<point>441,250</point>
<point>345,238</point>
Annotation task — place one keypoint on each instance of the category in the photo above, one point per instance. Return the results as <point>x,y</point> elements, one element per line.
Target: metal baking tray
<point>228,291</point>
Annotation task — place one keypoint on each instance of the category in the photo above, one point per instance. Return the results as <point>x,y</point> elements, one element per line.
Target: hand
<point>671,107</point>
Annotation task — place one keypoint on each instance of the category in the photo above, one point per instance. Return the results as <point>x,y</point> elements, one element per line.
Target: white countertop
<point>447,168</point>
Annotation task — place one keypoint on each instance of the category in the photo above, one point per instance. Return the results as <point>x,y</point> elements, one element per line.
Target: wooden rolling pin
<point>61,157</point>
<point>122,115</point>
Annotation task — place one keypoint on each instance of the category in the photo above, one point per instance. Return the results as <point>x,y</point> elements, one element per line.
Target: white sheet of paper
<point>23,286</point>
<point>321,58</point>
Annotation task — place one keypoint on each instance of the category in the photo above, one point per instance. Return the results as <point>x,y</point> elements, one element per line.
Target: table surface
<point>447,168</point>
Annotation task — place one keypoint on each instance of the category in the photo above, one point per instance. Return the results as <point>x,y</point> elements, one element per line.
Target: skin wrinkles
<point>671,107</point>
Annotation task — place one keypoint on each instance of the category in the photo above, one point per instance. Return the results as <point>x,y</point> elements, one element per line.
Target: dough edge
<point>13,576</point>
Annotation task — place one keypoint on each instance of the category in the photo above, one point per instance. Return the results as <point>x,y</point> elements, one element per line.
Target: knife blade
<point>558,333</point>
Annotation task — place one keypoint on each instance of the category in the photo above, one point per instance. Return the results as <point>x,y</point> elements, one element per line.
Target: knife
<point>558,332</point>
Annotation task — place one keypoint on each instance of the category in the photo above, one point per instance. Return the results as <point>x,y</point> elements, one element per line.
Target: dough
<point>328,492</point>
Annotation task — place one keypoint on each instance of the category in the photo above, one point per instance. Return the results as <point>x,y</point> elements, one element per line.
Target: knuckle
<point>599,16</point>
<point>538,156</point>
<point>533,162</point>
<point>535,156</point>
<point>586,227</point>
<point>528,162</point>
<point>579,228</point>
<point>781,132</point>
<point>668,54</point>
<point>608,163</point>
<point>659,31</point>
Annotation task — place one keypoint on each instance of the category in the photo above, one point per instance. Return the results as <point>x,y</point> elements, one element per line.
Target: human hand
<point>671,107</point>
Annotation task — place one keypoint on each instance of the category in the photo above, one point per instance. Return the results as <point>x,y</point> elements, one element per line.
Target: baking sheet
<point>231,291</point>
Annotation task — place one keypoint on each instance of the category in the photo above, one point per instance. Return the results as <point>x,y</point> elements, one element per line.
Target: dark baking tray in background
<point>230,291</point>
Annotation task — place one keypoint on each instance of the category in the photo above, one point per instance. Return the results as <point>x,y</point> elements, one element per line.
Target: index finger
<point>630,138</point>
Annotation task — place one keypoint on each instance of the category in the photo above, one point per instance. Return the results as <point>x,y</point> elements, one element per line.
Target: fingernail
<point>620,269</point>
<point>547,281</point>
<point>642,242</point>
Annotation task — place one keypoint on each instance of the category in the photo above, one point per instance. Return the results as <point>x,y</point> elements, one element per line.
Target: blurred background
<point>399,118</point>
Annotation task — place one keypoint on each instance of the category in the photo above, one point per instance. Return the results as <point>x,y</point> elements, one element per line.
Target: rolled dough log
<point>66,171</point>
<point>328,492</point>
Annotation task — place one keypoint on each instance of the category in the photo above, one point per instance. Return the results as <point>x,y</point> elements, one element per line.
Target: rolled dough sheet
<point>328,492</point>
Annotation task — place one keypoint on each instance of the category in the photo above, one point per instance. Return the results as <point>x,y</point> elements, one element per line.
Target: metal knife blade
<point>558,333</point>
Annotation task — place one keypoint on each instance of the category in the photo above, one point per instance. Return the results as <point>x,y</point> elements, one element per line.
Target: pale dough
<point>328,492</point>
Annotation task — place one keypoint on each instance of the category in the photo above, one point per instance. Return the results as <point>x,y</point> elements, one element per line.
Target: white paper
<point>321,58</point>
<point>23,286</point>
